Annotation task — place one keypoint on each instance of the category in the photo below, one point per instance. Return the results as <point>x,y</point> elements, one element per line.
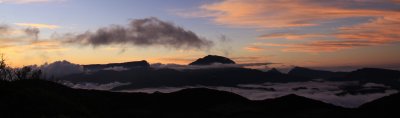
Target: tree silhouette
<point>23,72</point>
<point>10,74</point>
<point>6,72</point>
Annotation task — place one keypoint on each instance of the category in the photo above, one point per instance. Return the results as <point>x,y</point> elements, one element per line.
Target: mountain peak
<point>211,59</point>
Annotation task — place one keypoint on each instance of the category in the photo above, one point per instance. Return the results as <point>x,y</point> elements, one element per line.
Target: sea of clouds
<point>318,90</point>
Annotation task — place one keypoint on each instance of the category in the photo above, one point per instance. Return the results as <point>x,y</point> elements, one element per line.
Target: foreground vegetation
<point>10,74</point>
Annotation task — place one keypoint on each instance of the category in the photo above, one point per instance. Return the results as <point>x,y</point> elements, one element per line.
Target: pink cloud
<point>382,28</point>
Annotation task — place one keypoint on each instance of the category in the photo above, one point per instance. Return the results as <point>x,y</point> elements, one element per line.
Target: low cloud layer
<point>323,91</point>
<point>117,68</point>
<point>142,32</point>
<point>93,86</point>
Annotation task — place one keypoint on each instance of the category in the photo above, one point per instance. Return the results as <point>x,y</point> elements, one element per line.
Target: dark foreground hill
<point>44,99</point>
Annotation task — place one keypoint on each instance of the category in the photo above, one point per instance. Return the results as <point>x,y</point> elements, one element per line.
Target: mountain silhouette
<point>211,59</point>
<point>314,74</point>
<point>150,77</point>
<point>140,75</point>
<point>374,73</point>
<point>128,65</point>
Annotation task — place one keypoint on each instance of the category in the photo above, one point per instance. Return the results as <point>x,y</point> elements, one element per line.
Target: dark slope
<point>297,103</point>
<point>211,59</point>
<point>387,107</point>
<point>274,70</point>
<point>33,98</point>
<point>293,105</point>
<point>37,98</point>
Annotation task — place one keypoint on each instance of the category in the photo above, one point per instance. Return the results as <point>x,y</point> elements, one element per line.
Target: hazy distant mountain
<point>149,77</point>
<point>374,74</point>
<point>315,74</point>
<point>128,65</point>
<point>211,59</point>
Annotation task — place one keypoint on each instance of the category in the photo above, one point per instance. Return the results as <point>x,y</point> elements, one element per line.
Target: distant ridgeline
<point>141,75</point>
<point>128,65</point>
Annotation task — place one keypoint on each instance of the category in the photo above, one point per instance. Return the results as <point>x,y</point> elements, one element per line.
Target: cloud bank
<point>323,91</point>
<point>142,32</point>
<point>60,68</point>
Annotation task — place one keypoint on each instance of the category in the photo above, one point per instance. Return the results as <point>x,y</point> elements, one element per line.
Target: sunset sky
<point>311,33</point>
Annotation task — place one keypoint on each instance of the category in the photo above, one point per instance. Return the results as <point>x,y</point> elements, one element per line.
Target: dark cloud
<point>143,32</point>
<point>30,31</point>
<point>34,32</point>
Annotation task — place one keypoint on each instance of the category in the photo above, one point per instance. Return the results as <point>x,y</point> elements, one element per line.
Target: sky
<point>335,34</point>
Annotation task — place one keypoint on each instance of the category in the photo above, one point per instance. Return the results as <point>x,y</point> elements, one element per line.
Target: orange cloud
<point>253,48</point>
<point>21,45</point>
<point>46,45</point>
<point>322,46</point>
<point>290,36</point>
<point>283,13</point>
<point>384,29</point>
<point>381,28</point>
